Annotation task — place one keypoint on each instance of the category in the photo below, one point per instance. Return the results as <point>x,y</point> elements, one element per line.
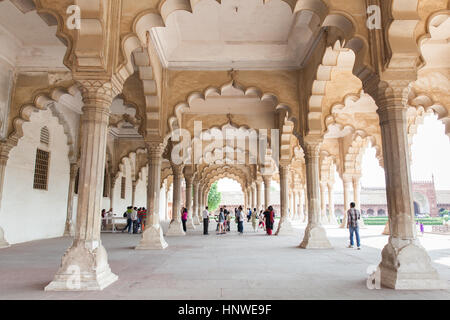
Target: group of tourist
<point>135,219</point>
<point>264,220</point>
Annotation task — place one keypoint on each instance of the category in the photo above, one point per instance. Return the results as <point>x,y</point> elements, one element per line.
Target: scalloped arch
<point>44,101</point>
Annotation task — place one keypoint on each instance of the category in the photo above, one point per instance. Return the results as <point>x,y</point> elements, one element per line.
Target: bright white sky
<point>430,155</point>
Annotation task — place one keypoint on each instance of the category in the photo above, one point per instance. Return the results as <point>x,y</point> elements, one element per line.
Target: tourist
<point>270,219</point>
<point>241,218</point>
<point>103,219</point>
<point>261,220</point>
<point>134,219</point>
<point>221,221</point>
<point>184,215</point>
<point>141,217</point>
<point>228,219</point>
<point>249,214</point>
<point>127,215</point>
<point>254,217</point>
<point>205,220</point>
<point>353,225</point>
<point>422,230</point>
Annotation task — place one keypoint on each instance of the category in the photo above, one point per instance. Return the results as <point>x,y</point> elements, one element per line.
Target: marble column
<point>323,204</point>
<point>190,221</point>
<point>85,266</point>
<point>3,161</point>
<point>111,191</point>
<point>347,182</point>
<point>357,197</point>
<point>285,225</point>
<point>405,264</point>
<point>267,180</point>
<point>331,217</point>
<point>69,228</point>
<point>152,237</point>
<point>315,235</point>
<point>291,206</point>
<point>176,226</point>
<point>258,195</point>
<point>196,209</point>
<point>305,216</point>
<point>295,210</point>
<point>254,203</point>
<point>133,192</point>
<point>301,210</point>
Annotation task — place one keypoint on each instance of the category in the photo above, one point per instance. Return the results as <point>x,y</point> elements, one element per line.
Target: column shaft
<point>69,228</point>
<point>3,161</point>
<point>315,235</point>
<point>176,226</point>
<point>405,264</point>
<point>152,237</point>
<point>284,226</point>
<point>87,258</point>
<point>190,222</point>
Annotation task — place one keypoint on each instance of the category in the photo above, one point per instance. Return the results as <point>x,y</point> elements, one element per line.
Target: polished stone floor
<point>231,266</point>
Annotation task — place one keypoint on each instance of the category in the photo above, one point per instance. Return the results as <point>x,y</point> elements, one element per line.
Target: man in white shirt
<point>134,217</point>
<point>205,220</point>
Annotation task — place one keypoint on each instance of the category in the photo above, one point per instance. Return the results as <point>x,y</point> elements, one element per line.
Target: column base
<point>68,230</point>
<point>386,230</point>
<point>175,229</point>
<point>152,239</point>
<point>196,220</point>
<point>405,265</point>
<point>83,269</point>
<point>190,224</point>
<point>315,238</point>
<point>284,228</point>
<point>3,242</point>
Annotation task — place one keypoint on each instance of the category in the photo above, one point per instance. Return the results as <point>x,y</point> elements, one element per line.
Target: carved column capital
<point>154,150</point>
<point>98,93</point>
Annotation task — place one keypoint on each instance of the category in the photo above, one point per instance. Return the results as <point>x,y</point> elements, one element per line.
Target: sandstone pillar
<point>331,217</point>
<point>285,225</point>
<point>69,228</point>
<point>3,160</point>
<point>153,237</point>
<point>190,220</point>
<point>357,196</point>
<point>405,264</point>
<point>301,211</point>
<point>315,235</point>
<point>111,192</point>
<point>291,206</point>
<point>196,209</point>
<point>267,180</point>
<point>347,181</point>
<point>85,266</point>
<point>323,204</point>
<point>133,192</point>
<point>305,218</point>
<point>254,203</point>
<point>176,226</point>
<point>258,195</point>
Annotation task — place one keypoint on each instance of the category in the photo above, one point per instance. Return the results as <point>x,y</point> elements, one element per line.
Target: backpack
<point>125,214</point>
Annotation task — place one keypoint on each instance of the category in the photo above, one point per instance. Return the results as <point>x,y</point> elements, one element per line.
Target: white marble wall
<point>30,214</point>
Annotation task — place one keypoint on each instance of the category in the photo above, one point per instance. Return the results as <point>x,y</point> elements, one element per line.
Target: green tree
<point>214,197</point>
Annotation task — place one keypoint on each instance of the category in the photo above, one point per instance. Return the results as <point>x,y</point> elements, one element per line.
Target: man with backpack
<point>352,224</point>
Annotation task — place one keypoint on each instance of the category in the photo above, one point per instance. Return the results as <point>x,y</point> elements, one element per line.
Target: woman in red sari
<point>269,215</point>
